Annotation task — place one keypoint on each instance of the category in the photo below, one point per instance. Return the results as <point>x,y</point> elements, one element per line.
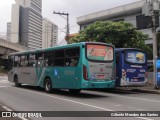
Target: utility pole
<point>155,11</point>
<point>51,36</point>
<point>67,32</point>
<point>151,8</point>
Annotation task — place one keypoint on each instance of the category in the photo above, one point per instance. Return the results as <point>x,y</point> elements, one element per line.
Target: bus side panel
<point>67,77</point>
<point>41,74</point>
<point>132,75</point>
<point>63,77</point>
<point>26,75</point>
<point>18,71</point>
<point>11,75</point>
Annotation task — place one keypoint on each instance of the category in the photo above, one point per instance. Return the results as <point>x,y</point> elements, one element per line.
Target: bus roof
<point>123,49</point>
<point>57,47</point>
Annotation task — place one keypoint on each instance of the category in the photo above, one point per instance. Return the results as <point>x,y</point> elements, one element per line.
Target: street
<point>29,98</point>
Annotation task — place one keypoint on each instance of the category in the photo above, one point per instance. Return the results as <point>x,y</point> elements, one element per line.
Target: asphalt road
<point>29,98</point>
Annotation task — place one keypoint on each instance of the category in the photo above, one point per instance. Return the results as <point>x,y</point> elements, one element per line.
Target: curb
<point>142,90</point>
<point>147,91</point>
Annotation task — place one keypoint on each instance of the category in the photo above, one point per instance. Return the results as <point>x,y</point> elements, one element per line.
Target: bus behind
<point>131,65</point>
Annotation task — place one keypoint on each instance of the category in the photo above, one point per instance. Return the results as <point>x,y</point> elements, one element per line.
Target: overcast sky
<point>75,8</point>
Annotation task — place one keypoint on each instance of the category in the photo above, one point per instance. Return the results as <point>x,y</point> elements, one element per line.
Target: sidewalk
<point>3,74</point>
<point>149,88</point>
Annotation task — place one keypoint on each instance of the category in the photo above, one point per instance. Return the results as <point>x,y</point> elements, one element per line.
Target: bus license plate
<point>101,76</point>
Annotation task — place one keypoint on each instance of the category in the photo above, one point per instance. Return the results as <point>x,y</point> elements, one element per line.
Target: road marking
<point>3,77</point>
<point>118,105</point>
<point>143,99</point>
<point>4,86</point>
<point>8,109</point>
<point>5,107</point>
<point>85,104</point>
<point>145,118</point>
<point>4,81</point>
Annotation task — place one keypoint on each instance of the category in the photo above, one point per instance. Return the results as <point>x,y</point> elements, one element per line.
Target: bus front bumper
<point>134,84</point>
<point>105,84</point>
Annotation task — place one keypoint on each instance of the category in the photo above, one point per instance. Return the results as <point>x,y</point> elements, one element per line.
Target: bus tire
<point>48,85</point>
<point>74,91</point>
<point>17,84</point>
<point>156,87</point>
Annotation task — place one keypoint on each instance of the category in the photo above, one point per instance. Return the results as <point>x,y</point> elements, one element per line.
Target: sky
<point>75,8</point>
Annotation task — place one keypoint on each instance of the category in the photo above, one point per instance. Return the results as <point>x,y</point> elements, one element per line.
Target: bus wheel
<point>48,85</point>
<point>16,81</point>
<point>156,87</point>
<point>74,91</point>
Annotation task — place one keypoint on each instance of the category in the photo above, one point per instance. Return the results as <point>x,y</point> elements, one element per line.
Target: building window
<point>144,22</point>
<point>118,20</point>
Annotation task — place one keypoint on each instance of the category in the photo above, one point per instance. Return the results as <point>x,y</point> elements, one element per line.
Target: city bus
<point>74,67</point>
<point>131,67</point>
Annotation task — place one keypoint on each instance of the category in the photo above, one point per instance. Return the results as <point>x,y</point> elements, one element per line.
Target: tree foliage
<point>121,34</point>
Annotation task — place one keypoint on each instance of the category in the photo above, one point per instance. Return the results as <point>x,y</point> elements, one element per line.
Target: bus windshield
<point>137,57</point>
<point>99,52</point>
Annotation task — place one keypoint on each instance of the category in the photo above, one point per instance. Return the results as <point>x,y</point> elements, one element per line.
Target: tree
<point>121,34</point>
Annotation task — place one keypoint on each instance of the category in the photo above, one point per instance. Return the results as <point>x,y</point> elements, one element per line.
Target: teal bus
<point>75,66</point>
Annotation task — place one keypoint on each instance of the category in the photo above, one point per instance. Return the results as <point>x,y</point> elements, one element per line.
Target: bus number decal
<point>69,72</point>
<point>131,70</point>
<point>55,72</point>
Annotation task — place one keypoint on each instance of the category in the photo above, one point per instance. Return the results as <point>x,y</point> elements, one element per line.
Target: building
<point>131,13</point>
<point>9,31</point>
<point>34,4</point>
<point>3,37</point>
<point>49,34</point>
<point>26,23</point>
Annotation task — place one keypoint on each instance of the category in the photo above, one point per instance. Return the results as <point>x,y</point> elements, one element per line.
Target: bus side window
<point>74,62</point>
<point>72,57</point>
<point>16,61</point>
<point>32,60</point>
<point>59,58</point>
<point>40,59</point>
<point>48,56</point>
<point>26,60</point>
<point>23,57</point>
